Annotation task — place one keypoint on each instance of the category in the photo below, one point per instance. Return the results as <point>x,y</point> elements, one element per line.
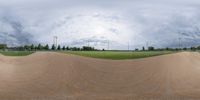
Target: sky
<point>97,23</point>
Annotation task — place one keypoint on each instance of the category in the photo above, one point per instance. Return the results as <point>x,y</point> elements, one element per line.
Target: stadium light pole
<point>88,42</point>
<point>55,41</point>
<point>180,40</point>
<point>108,44</point>
<point>128,46</point>
<point>147,44</point>
<point>96,44</point>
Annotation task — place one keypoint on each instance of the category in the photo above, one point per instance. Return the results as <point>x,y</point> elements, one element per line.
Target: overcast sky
<point>158,23</point>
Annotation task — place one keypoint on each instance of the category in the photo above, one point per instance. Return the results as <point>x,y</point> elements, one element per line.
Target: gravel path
<point>55,76</point>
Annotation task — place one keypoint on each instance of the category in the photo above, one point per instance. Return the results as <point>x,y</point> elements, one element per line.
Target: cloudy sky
<point>159,23</point>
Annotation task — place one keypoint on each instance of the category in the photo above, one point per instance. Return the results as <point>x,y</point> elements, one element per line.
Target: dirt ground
<point>55,76</point>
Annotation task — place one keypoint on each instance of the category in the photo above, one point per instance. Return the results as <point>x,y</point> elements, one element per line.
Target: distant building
<point>3,46</point>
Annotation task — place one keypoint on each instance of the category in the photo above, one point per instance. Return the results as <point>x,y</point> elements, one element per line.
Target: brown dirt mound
<point>54,76</point>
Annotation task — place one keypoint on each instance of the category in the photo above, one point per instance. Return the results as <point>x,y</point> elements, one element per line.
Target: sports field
<point>16,53</point>
<point>117,55</point>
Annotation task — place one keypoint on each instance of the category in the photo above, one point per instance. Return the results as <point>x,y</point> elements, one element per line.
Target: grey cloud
<point>159,22</point>
<point>16,34</point>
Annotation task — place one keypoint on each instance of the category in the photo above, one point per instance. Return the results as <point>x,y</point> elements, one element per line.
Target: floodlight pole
<point>128,45</point>
<point>88,42</point>
<point>179,39</point>
<point>96,44</point>
<point>108,44</point>
<point>147,44</point>
<point>55,41</point>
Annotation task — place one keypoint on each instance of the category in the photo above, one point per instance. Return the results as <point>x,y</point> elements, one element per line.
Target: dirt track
<point>54,76</point>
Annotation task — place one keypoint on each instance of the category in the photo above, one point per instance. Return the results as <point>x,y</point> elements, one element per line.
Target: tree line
<point>151,48</point>
<point>53,47</point>
<point>47,47</point>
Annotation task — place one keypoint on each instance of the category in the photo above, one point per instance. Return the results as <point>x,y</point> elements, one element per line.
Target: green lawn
<point>16,53</point>
<point>117,55</point>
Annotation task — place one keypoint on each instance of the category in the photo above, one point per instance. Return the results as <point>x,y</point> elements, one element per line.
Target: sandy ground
<point>54,76</point>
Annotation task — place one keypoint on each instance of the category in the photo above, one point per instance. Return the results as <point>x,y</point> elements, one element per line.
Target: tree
<point>184,48</point>
<point>67,48</point>
<point>3,46</point>
<point>198,48</point>
<point>53,47</point>
<point>193,48</point>
<point>39,47</point>
<point>32,47</point>
<point>75,49</point>
<point>35,48</point>
<point>46,47</point>
<point>143,49</point>
<point>26,47</point>
<point>63,48</point>
<point>87,48</point>
<point>59,48</point>
<point>151,48</point>
<point>167,48</point>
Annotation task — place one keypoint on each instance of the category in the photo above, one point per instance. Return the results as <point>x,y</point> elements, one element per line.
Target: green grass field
<point>16,53</point>
<point>117,55</point>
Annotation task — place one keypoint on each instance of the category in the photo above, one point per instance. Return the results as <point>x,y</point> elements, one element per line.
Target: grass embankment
<point>16,53</point>
<point>117,55</point>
